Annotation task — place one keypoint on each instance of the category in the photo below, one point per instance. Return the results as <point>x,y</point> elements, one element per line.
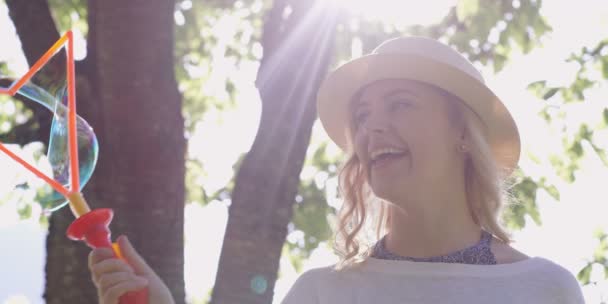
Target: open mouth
<point>387,159</point>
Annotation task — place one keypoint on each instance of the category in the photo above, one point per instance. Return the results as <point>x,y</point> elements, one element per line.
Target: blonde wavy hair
<point>364,218</point>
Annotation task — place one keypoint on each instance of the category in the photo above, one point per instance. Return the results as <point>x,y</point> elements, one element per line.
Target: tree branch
<point>35,27</point>
<point>37,33</point>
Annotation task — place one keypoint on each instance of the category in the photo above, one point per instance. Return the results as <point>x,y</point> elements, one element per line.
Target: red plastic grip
<point>92,228</point>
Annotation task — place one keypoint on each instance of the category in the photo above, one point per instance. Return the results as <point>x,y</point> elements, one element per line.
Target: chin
<point>386,192</point>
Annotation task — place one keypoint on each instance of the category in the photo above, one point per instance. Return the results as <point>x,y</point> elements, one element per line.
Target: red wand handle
<point>92,228</point>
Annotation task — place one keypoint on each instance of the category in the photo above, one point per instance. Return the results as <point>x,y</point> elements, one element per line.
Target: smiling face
<point>406,138</point>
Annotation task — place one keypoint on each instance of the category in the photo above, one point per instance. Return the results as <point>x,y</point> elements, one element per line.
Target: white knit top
<point>378,281</point>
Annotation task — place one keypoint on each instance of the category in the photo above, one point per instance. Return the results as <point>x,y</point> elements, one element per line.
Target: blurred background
<point>215,164</point>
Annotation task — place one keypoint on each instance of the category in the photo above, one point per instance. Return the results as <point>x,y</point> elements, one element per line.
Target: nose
<point>376,122</point>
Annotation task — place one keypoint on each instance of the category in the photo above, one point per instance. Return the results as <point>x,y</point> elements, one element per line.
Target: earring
<point>462,148</point>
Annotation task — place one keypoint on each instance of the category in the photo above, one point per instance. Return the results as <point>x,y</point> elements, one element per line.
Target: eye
<point>360,117</point>
<point>398,104</point>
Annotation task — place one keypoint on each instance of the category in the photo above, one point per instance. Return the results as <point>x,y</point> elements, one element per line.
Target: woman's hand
<point>114,277</point>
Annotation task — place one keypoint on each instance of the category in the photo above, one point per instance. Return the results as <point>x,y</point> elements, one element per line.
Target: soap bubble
<point>58,152</point>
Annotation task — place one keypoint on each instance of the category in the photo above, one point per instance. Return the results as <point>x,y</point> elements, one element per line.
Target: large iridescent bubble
<point>57,153</point>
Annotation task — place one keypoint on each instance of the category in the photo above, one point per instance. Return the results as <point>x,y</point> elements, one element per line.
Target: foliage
<point>212,45</point>
<point>310,224</point>
<point>488,30</point>
<point>485,31</point>
<point>558,101</point>
<point>522,200</point>
<point>70,14</point>
<point>12,114</point>
<point>593,69</point>
<point>599,258</point>
<point>214,42</point>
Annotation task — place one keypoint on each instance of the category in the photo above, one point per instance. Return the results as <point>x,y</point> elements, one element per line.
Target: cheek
<point>434,156</point>
<point>427,145</point>
<point>360,143</point>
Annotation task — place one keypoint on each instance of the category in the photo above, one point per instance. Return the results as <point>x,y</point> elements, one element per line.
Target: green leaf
<point>538,87</point>
<point>576,150</point>
<point>25,212</point>
<point>70,14</point>
<point>552,190</point>
<point>550,93</point>
<point>585,274</point>
<point>532,210</point>
<point>466,9</point>
<point>524,194</point>
<point>599,234</point>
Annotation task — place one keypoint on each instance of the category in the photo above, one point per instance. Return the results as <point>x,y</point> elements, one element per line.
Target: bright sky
<point>565,237</point>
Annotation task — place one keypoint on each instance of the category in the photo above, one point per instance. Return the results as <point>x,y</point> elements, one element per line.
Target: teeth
<point>374,155</point>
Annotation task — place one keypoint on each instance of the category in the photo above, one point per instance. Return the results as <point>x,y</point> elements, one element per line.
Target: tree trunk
<point>130,97</point>
<point>297,52</point>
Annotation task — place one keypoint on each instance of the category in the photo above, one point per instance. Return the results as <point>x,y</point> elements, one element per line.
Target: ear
<point>464,143</point>
<point>464,135</point>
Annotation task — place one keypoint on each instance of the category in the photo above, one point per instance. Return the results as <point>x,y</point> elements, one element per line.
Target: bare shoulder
<point>506,254</point>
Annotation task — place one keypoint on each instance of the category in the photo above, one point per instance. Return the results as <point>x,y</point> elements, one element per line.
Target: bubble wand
<point>90,226</point>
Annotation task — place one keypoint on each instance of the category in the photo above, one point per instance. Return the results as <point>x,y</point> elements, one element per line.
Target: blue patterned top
<point>479,254</point>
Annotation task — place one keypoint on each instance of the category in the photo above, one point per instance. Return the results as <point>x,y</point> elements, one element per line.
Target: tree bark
<point>297,53</point>
<point>35,27</point>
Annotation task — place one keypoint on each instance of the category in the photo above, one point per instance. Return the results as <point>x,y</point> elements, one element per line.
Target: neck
<point>435,225</point>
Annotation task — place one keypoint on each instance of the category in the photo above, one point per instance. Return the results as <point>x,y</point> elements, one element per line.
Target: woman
<point>429,147</point>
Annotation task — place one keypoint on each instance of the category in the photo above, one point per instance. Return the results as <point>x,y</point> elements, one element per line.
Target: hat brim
<point>339,88</point>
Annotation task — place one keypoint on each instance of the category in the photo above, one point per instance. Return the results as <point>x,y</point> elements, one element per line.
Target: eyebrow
<point>358,102</point>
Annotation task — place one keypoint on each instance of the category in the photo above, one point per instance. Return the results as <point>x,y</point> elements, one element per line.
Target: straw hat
<point>428,61</point>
